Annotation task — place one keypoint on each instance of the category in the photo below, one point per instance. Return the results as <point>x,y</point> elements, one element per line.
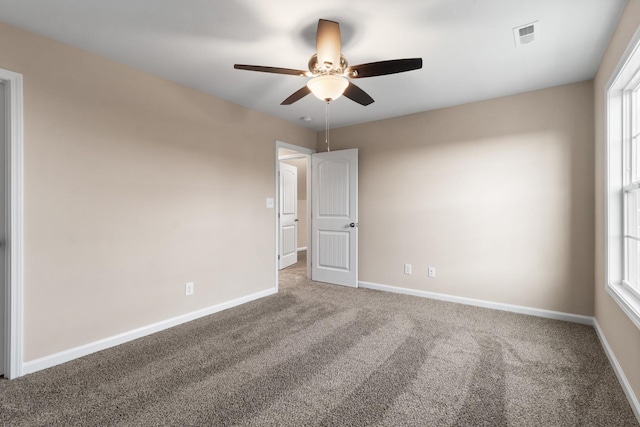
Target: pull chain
<point>326,128</point>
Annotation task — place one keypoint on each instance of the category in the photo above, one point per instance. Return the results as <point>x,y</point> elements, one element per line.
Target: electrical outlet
<point>408,269</point>
<point>188,289</point>
<point>432,272</point>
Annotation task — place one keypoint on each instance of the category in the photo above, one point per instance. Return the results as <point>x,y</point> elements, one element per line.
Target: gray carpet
<point>317,354</point>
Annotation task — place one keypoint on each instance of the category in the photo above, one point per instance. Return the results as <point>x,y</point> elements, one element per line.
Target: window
<point>631,189</point>
<point>623,182</point>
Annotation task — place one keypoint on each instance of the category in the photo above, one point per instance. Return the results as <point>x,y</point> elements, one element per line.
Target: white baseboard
<point>83,350</point>
<point>557,315</point>
<point>622,378</point>
<point>302,249</point>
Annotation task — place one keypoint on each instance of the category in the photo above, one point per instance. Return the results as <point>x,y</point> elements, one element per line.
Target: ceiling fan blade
<point>356,94</point>
<point>382,68</point>
<point>328,44</point>
<point>275,70</point>
<point>297,95</point>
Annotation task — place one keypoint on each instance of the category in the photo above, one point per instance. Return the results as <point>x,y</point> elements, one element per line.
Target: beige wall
<point>133,187</point>
<point>497,195</point>
<point>623,336</point>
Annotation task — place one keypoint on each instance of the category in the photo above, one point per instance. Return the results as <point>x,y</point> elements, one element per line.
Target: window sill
<point>627,300</point>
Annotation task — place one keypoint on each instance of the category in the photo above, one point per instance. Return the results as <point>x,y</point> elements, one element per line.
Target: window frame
<point>631,183</point>
<point>622,176</point>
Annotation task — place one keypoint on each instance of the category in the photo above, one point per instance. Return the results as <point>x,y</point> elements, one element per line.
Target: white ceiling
<point>467,46</point>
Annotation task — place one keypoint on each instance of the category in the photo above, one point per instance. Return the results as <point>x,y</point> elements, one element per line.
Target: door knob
<point>296,220</point>
<point>352,225</point>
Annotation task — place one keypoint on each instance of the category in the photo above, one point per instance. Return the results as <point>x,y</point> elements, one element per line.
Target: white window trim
<point>626,296</point>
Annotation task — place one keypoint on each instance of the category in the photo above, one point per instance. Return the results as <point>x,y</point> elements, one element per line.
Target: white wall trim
<point>15,233</point>
<point>622,378</point>
<point>557,315</point>
<point>627,302</point>
<point>302,249</point>
<point>292,157</point>
<point>84,350</point>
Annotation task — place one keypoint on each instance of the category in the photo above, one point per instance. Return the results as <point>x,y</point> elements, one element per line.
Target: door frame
<point>14,255</point>
<point>308,152</point>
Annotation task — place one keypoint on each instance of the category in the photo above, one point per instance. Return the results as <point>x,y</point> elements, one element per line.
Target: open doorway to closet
<point>292,205</point>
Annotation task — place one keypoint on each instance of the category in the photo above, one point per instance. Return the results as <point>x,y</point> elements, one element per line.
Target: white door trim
<point>308,152</point>
<point>15,226</point>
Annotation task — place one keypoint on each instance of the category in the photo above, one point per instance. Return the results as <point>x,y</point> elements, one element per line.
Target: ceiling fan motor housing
<point>317,69</point>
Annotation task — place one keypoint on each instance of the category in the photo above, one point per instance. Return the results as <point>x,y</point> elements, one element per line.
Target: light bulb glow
<point>328,87</point>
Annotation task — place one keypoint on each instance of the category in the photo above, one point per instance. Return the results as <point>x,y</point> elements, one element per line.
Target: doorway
<point>11,224</point>
<point>331,219</point>
<point>300,159</point>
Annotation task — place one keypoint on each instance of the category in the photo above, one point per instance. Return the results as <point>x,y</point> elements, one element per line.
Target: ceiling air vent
<point>526,33</point>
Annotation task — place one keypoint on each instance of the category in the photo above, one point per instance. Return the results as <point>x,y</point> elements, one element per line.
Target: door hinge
<point>278,256</point>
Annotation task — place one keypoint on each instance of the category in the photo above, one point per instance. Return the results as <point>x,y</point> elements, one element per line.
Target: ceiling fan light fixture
<point>328,87</point>
<point>331,71</point>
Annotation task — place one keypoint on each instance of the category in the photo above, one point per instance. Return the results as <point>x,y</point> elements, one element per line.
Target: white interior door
<point>288,215</point>
<point>334,229</point>
<point>3,217</point>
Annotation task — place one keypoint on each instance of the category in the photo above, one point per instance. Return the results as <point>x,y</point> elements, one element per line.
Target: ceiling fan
<point>330,71</point>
